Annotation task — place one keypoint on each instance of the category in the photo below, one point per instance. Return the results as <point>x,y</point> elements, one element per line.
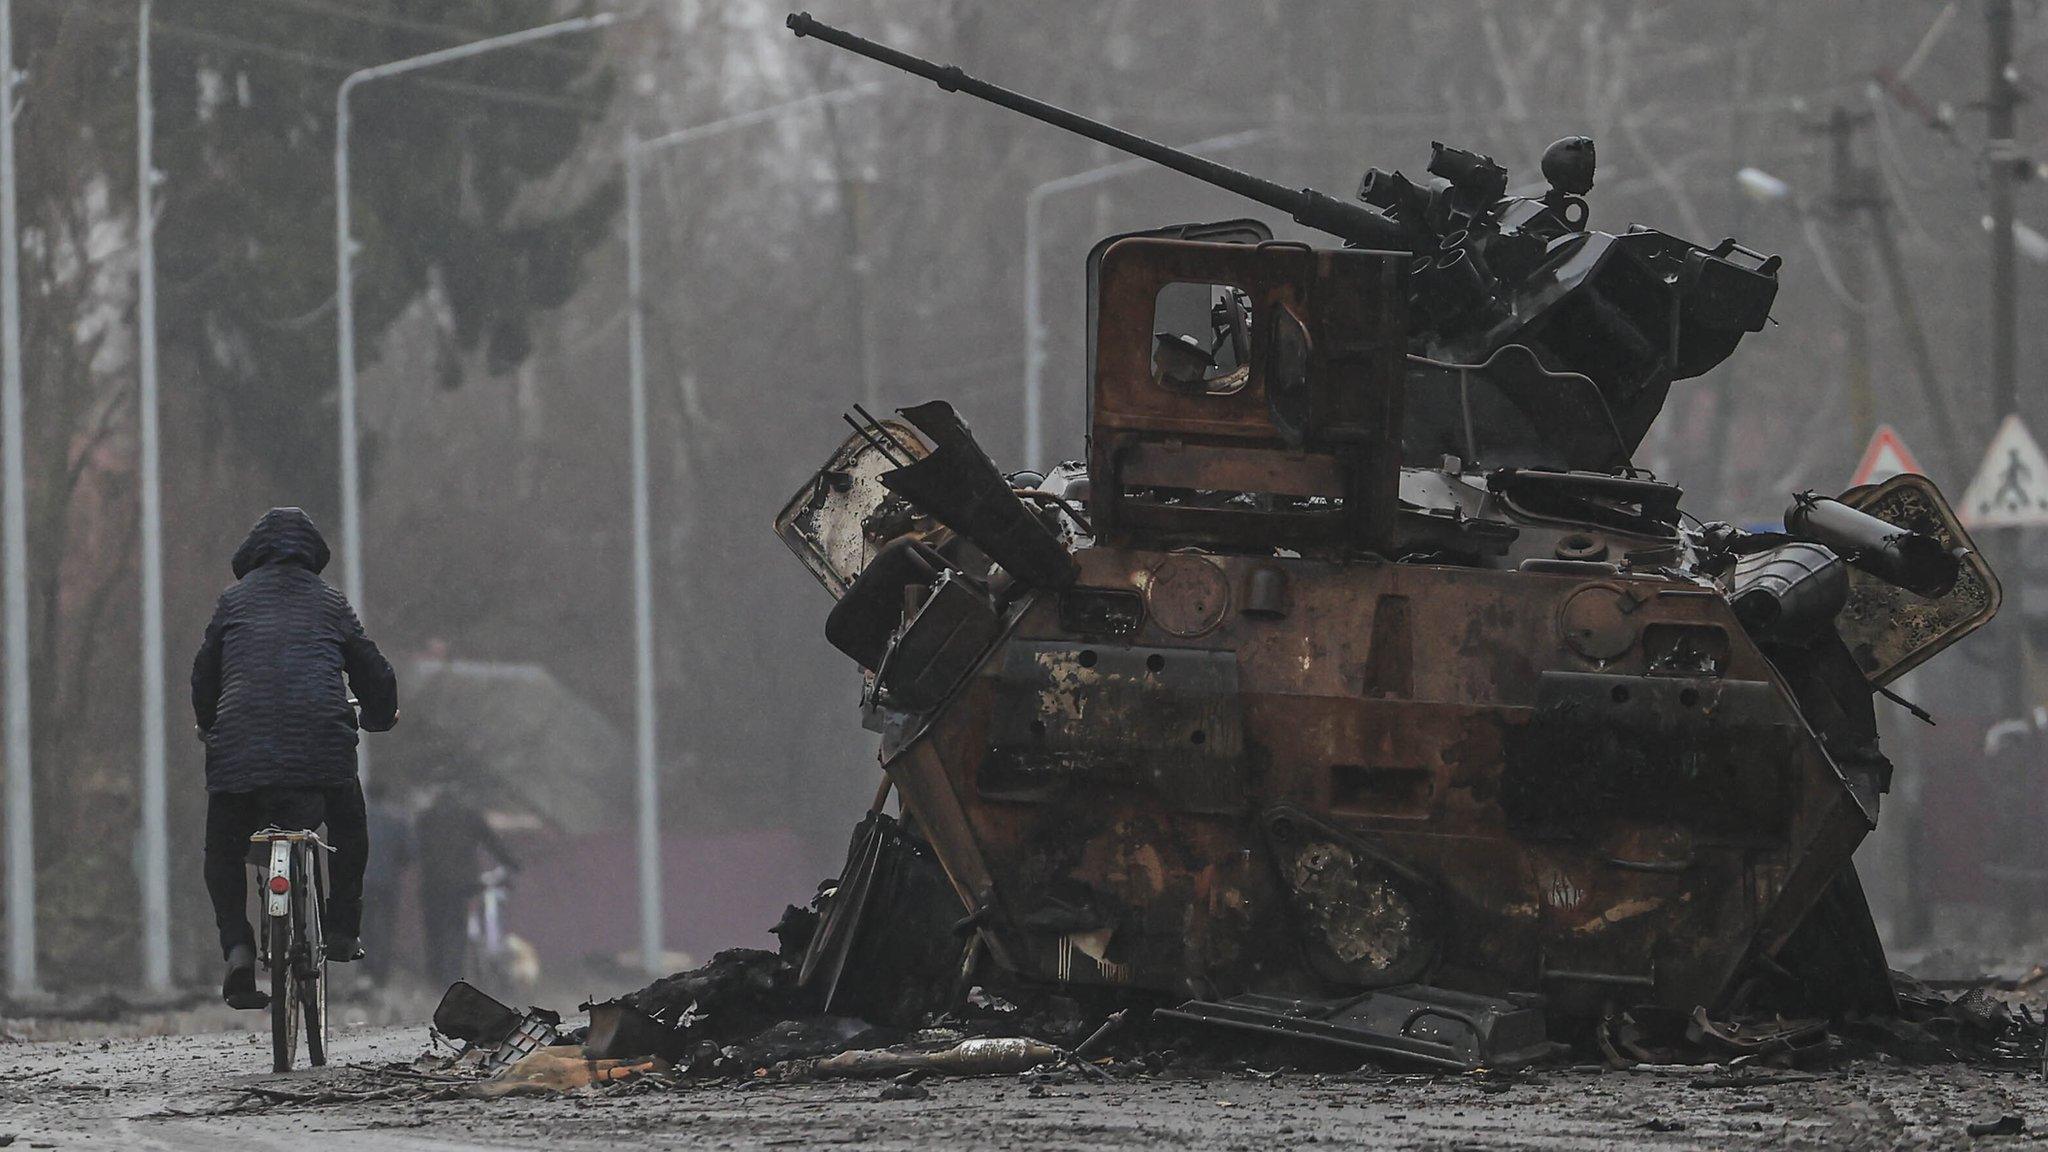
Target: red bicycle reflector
<point>280,884</point>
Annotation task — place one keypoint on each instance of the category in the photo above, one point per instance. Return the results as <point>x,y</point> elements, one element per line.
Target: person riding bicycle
<point>269,699</point>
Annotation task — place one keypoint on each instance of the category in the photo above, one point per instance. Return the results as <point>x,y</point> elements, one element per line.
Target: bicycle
<point>293,944</point>
<point>498,957</point>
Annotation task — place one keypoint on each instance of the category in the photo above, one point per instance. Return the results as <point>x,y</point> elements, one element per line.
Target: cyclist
<point>268,695</point>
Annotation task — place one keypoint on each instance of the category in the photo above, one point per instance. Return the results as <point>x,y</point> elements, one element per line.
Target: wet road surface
<point>174,1093</point>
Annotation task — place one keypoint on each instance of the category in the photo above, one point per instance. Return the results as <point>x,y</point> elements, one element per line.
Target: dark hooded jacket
<point>267,684</point>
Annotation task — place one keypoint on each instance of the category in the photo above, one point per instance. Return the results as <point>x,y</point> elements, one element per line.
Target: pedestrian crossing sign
<point>2011,486</point>
<point>1886,457</point>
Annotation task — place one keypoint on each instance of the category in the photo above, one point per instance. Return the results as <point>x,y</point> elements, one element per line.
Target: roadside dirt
<point>162,1091</point>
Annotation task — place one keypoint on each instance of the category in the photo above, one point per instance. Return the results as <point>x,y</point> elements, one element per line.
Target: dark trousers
<point>444,925</point>
<point>232,817</point>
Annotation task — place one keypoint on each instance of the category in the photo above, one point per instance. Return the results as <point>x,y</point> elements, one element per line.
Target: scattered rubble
<point>746,1019</point>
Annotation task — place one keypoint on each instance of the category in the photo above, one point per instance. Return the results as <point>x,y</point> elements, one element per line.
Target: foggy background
<point>870,249</point>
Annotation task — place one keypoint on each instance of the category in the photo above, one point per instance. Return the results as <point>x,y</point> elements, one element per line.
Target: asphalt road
<point>175,1092</point>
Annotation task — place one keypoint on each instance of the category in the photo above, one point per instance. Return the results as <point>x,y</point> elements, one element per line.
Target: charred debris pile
<point>1358,693</point>
<point>748,1018</point>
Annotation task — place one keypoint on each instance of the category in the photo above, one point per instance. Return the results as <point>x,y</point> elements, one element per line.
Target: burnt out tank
<point>1358,684</point>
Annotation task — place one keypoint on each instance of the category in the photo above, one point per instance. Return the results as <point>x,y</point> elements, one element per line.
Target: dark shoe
<point>343,949</point>
<point>239,987</point>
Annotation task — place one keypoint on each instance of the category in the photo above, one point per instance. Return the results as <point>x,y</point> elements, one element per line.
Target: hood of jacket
<point>283,536</point>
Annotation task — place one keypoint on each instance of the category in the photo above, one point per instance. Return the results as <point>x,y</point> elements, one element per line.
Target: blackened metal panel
<point>1715,755</point>
<point>1074,715</point>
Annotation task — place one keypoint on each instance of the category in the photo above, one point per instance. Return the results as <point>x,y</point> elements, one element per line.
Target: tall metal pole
<point>1034,322</point>
<point>344,260</point>
<point>345,345</point>
<point>647,774</point>
<point>1999,151</point>
<point>1849,195</point>
<point>643,581</point>
<point>155,856</point>
<point>21,852</point>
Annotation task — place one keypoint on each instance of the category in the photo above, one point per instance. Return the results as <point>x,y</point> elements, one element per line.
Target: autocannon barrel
<point>1353,223</point>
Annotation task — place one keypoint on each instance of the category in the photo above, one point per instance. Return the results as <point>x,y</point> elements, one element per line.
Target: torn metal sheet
<point>843,514</point>
<point>469,1014</point>
<point>619,1029</point>
<point>1411,1022</point>
<point>1891,630</point>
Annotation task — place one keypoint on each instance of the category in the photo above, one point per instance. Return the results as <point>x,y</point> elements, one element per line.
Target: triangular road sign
<point>2011,487</point>
<point>1886,457</point>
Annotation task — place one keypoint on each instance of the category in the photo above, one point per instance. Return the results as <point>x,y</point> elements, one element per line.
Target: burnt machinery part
<point>960,487</point>
<point>884,946</point>
<point>1413,1022</point>
<point>1468,171</point>
<point>1568,165</point>
<point>473,1016</point>
<point>1789,592</point>
<point>863,620</point>
<point>1912,560</point>
<point>621,1030</point>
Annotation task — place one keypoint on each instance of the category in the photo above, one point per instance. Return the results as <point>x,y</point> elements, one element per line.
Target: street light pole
<point>344,295</point>
<point>2000,152</point>
<point>647,779</point>
<point>1034,323</point>
<point>155,849</point>
<point>648,775</point>
<point>21,849</point>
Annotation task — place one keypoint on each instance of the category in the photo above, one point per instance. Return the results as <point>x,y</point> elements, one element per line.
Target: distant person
<point>390,828</point>
<point>269,698</point>
<point>449,834</point>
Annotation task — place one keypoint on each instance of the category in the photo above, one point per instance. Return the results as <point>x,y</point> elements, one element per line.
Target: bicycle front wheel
<point>284,999</point>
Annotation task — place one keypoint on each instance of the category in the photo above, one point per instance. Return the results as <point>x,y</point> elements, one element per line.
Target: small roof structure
<point>524,741</point>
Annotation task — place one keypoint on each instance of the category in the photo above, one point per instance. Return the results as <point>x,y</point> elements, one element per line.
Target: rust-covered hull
<point>1298,773</point>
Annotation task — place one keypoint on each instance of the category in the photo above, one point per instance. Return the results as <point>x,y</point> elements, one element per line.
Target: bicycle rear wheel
<point>284,1000</point>
<point>313,975</point>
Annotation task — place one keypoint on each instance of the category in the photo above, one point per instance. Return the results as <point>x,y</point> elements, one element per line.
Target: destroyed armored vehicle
<point>1358,684</point>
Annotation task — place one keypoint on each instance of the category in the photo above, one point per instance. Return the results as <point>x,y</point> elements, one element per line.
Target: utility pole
<point>647,776</point>
<point>1850,194</point>
<point>1999,154</point>
<point>21,848</point>
<point>1999,150</point>
<point>1893,265</point>
<point>155,850</point>
<point>853,207</point>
